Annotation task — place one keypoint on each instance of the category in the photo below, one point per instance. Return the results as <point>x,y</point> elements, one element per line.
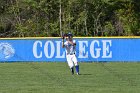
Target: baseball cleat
<point>78,74</point>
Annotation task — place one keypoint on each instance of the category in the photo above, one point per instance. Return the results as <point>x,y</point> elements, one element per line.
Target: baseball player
<point>70,46</point>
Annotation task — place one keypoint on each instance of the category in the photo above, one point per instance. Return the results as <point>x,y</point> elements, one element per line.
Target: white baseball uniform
<point>70,54</point>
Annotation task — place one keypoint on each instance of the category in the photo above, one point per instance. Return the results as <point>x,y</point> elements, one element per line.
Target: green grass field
<point>57,78</point>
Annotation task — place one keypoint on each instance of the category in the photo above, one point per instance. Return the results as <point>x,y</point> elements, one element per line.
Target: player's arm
<point>63,42</point>
<point>63,38</point>
<point>72,43</point>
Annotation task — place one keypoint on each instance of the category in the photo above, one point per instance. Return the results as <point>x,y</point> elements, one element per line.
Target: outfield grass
<point>56,78</point>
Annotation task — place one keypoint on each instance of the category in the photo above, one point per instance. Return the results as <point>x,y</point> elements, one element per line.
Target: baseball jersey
<point>70,49</point>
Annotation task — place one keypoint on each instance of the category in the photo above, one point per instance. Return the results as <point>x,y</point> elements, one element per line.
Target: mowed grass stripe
<point>56,78</point>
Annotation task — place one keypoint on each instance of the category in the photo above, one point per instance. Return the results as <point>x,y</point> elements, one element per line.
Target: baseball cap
<point>69,34</point>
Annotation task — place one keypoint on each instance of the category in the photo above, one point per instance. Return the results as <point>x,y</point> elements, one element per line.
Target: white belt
<point>71,54</point>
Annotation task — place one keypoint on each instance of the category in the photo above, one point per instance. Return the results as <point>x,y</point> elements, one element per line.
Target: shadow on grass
<point>85,74</point>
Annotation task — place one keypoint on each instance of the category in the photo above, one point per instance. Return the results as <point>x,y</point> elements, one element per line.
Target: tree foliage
<point>29,18</point>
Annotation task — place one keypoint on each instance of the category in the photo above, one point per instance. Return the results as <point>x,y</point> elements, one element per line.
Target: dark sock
<point>77,68</point>
<point>72,70</point>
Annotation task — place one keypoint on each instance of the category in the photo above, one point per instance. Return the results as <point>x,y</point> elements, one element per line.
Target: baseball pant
<point>72,60</point>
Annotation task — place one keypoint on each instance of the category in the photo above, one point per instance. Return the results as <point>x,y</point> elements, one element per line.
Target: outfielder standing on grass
<point>70,46</point>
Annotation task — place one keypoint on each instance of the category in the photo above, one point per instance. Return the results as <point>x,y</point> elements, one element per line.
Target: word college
<point>84,49</point>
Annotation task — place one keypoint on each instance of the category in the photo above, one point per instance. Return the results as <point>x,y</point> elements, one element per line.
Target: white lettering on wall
<point>106,49</point>
<point>37,45</point>
<point>46,49</point>
<point>82,49</point>
<point>97,50</point>
<point>53,49</point>
<point>58,48</point>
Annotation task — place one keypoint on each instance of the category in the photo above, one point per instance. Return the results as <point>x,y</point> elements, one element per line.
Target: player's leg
<point>74,59</point>
<point>70,64</point>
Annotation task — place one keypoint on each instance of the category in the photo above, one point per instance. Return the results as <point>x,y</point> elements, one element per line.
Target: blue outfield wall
<point>87,50</point>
